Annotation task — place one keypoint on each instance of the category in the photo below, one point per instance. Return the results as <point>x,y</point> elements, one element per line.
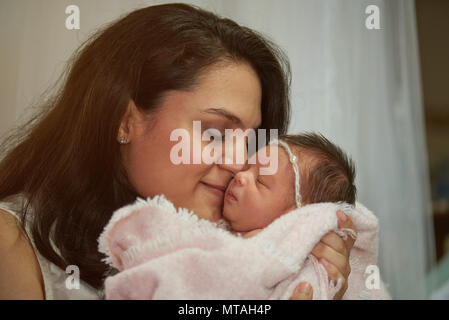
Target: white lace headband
<point>293,159</point>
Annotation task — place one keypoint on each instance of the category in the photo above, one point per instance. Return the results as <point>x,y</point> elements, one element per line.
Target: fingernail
<point>304,287</point>
<point>341,216</point>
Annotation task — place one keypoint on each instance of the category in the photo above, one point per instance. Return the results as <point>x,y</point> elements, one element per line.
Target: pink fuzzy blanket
<point>166,253</point>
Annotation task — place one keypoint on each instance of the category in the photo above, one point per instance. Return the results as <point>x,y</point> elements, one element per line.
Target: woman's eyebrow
<point>224,113</point>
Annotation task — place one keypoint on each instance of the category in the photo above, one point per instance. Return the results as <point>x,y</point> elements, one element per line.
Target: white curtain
<point>359,87</point>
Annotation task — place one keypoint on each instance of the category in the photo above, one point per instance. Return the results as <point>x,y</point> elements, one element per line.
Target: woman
<point>105,139</point>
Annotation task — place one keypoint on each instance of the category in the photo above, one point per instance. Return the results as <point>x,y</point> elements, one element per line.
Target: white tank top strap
<point>54,277</point>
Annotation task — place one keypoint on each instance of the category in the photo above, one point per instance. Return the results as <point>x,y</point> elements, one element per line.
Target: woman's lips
<point>214,189</point>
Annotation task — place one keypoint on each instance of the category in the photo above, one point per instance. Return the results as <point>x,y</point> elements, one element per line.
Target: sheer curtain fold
<point>359,87</point>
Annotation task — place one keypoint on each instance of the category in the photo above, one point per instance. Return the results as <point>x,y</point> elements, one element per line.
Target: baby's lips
<point>231,194</point>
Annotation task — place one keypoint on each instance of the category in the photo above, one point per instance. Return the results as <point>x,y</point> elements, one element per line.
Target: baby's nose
<point>243,177</point>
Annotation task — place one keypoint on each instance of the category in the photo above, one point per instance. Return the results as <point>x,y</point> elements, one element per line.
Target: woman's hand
<point>303,291</point>
<point>333,252</point>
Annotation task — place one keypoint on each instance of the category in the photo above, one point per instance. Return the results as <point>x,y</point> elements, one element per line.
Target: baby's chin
<point>231,213</point>
<point>226,211</point>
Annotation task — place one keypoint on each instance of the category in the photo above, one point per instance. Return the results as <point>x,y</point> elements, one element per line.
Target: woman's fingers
<point>303,291</point>
<point>334,241</point>
<point>333,253</point>
<point>340,261</point>
<point>345,222</point>
<point>335,275</point>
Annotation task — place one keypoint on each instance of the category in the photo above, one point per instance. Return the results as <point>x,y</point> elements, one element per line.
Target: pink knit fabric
<point>168,253</point>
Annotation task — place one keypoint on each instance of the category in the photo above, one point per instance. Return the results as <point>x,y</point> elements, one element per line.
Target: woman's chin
<point>209,212</point>
<point>213,217</point>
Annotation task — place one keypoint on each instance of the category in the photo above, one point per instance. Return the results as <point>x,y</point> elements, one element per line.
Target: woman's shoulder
<point>20,272</point>
<point>11,230</point>
<point>19,256</point>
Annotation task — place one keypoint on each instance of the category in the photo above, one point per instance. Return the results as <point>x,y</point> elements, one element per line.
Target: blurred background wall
<point>359,87</point>
<point>433,25</point>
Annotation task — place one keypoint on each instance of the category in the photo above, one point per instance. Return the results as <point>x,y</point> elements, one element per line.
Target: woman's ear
<point>128,123</point>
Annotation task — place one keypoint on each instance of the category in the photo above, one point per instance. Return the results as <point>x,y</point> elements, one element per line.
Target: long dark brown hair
<point>66,160</point>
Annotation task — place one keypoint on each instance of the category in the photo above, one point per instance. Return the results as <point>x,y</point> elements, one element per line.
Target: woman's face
<point>226,97</point>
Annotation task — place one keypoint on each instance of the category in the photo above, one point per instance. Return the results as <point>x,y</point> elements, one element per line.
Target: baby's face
<point>253,201</point>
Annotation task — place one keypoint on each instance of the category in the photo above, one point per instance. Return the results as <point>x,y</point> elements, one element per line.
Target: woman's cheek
<point>151,169</point>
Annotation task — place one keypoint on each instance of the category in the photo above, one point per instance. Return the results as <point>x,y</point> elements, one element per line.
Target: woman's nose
<point>233,167</point>
<point>234,157</point>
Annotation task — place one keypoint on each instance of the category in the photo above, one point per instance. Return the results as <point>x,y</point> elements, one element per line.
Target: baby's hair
<point>327,173</point>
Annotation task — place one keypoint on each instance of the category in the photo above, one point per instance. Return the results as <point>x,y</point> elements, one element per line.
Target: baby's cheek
<point>254,208</point>
<point>235,211</point>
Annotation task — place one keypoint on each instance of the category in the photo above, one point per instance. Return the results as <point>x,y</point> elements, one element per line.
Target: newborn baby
<point>163,252</point>
<point>325,174</point>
